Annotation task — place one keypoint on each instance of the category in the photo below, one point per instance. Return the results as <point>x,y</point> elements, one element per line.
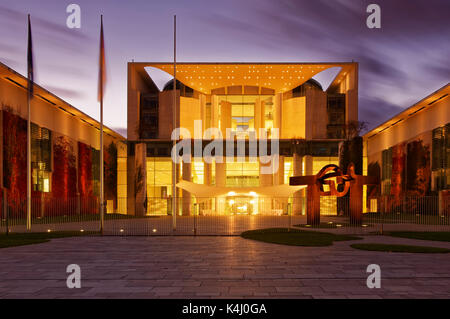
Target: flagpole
<point>29,163</point>
<point>102,210</point>
<point>29,93</point>
<point>174,124</point>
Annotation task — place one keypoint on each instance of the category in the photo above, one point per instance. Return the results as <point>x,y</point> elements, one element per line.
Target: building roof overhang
<point>413,110</point>
<point>15,78</point>
<point>281,77</point>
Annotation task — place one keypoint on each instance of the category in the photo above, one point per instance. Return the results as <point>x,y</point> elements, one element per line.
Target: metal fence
<point>227,215</point>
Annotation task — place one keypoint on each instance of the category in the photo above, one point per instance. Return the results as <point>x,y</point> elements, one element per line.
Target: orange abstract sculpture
<point>351,182</point>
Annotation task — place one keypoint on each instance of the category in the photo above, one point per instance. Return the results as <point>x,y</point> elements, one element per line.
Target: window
<point>159,185</point>
<point>441,157</point>
<point>386,171</point>
<point>242,174</point>
<point>148,126</point>
<point>336,116</point>
<point>41,150</point>
<point>96,171</point>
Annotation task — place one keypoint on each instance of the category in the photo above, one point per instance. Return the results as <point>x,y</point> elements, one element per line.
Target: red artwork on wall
<point>15,160</point>
<point>64,179</point>
<point>398,173</point>
<point>85,170</point>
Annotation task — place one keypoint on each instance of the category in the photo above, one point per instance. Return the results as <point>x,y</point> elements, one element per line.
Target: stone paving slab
<point>218,267</point>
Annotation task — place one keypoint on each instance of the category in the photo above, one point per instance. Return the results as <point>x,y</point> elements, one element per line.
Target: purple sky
<point>401,63</point>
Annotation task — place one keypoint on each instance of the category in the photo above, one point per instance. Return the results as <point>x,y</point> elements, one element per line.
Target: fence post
<point>382,214</point>
<point>5,209</point>
<point>289,216</point>
<point>195,219</point>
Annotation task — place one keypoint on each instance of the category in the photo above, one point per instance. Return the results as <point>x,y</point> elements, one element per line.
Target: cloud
<point>49,31</point>
<point>407,57</point>
<point>64,92</point>
<point>121,130</point>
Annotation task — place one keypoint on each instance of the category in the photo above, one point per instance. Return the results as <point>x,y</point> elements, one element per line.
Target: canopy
<point>199,190</point>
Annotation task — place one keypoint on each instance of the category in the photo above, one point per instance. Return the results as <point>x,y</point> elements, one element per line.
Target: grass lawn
<point>395,218</point>
<point>295,237</point>
<point>16,239</point>
<point>434,236</point>
<point>400,248</point>
<point>71,219</point>
<point>330,225</point>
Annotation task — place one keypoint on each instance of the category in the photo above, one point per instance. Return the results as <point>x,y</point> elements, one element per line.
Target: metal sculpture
<point>350,182</point>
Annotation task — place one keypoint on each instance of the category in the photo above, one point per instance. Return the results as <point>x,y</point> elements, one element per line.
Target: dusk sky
<point>405,60</point>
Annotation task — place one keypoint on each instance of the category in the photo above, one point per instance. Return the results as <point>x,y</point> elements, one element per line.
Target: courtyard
<point>219,267</point>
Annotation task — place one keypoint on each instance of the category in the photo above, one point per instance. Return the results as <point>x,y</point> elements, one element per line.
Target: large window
<point>336,116</point>
<point>386,171</point>
<point>242,174</point>
<point>41,150</point>
<point>441,157</point>
<point>96,171</point>
<point>245,113</point>
<point>159,185</point>
<point>149,116</point>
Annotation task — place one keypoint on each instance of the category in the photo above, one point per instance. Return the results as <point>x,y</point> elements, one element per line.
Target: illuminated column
<point>277,112</point>
<point>278,179</point>
<point>225,117</point>
<point>187,176</point>
<point>221,176</point>
<point>207,173</point>
<point>1,148</point>
<point>140,179</point>
<point>265,179</point>
<point>307,170</point>
<point>299,196</point>
<point>265,204</point>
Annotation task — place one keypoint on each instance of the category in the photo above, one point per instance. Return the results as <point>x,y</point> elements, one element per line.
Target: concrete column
<point>299,196</point>
<point>265,179</point>
<point>265,204</point>
<point>207,173</point>
<point>140,179</point>
<point>187,176</point>
<point>278,176</point>
<point>278,101</point>
<point>308,160</point>
<point>221,177</point>
<point>278,179</point>
<point>1,149</point>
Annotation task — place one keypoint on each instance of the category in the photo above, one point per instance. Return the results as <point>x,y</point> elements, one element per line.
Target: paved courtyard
<point>218,267</point>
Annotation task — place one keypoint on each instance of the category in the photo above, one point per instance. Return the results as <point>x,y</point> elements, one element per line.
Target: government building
<point>251,100</point>
<point>65,154</point>
<point>410,153</point>
<point>276,120</point>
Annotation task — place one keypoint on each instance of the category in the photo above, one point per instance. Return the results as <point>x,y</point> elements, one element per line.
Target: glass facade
<point>336,116</point>
<point>386,171</point>
<point>244,113</point>
<point>441,157</point>
<point>41,154</point>
<point>159,185</point>
<point>242,174</point>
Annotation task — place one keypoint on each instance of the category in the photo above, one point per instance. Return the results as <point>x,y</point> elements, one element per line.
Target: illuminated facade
<point>247,99</point>
<point>65,156</point>
<point>411,151</point>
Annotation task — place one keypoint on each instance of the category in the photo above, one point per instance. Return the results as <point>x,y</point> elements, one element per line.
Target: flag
<point>30,61</point>
<point>102,64</point>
